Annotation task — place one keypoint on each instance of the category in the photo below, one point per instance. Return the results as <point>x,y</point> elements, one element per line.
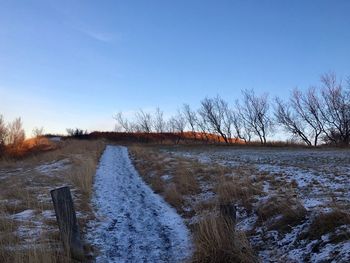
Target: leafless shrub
<point>38,132</point>
<point>16,135</point>
<point>159,122</point>
<point>3,134</point>
<point>122,123</point>
<point>144,121</point>
<point>177,124</point>
<point>191,118</point>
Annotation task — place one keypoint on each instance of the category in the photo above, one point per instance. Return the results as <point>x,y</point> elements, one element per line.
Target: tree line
<point>321,114</point>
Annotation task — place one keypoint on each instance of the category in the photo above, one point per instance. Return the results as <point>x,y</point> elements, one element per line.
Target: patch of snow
<point>55,166</point>
<point>247,223</point>
<point>166,177</point>
<point>134,224</point>
<point>311,203</point>
<point>25,215</point>
<point>333,253</point>
<point>48,214</point>
<point>29,234</point>
<point>55,139</point>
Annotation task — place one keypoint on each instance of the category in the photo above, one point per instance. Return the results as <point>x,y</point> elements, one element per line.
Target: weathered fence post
<point>67,222</point>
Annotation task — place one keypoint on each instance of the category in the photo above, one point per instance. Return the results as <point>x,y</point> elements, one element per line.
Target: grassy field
<point>28,227</point>
<point>292,203</point>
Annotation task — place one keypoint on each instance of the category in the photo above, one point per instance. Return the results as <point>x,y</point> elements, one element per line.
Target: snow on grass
<point>25,215</point>
<point>317,177</point>
<point>133,223</point>
<point>55,166</point>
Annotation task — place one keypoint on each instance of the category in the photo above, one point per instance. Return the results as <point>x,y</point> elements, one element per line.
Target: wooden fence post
<point>67,222</point>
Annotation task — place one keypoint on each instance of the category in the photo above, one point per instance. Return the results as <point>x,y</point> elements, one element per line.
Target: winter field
<point>162,203</point>
<point>292,204</point>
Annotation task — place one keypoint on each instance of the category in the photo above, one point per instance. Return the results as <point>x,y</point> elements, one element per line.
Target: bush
<point>16,135</point>
<point>77,133</point>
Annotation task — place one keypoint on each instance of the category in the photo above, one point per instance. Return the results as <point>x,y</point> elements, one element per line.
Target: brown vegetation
<point>181,182</point>
<point>25,189</point>
<point>281,212</point>
<point>325,223</point>
<point>216,240</point>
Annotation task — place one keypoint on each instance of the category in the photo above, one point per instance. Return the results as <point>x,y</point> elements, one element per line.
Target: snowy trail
<point>133,223</point>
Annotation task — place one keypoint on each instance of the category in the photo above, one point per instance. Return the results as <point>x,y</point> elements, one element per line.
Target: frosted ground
<point>319,179</point>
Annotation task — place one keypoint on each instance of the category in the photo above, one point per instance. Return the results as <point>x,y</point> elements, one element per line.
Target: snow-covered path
<point>133,223</point>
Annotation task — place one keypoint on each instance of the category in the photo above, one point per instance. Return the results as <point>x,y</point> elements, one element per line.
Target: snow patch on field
<point>55,166</point>
<point>25,215</point>
<point>133,223</point>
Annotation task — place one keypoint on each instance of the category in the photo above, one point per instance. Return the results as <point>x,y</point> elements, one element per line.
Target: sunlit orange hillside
<point>163,137</point>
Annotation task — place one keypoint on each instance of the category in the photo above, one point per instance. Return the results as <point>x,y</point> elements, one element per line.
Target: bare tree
<point>255,113</point>
<point>290,121</point>
<point>159,122</point>
<point>144,121</point>
<point>216,113</point>
<point>228,122</point>
<point>203,126</point>
<point>242,130</point>
<point>177,124</point>
<point>16,133</point>
<point>301,115</point>
<point>312,114</point>
<point>191,118</point>
<point>38,132</point>
<point>3,133</point>
<point>335,110</point>
<point>122,123</point>
<point>307,107</point>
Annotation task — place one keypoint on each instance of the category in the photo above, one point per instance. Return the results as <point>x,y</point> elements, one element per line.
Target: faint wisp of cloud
<point>99,36</point>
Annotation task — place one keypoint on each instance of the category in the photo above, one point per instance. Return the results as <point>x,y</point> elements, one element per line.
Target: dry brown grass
<point>325,223</point>
<point>239,190</point>
<point>216,240</point>
<point>215,237</point>
<point>281,212</point>
<point>153,166</point>
<point>25,187</point>
<point>172,196</point>
<point>185,179</point>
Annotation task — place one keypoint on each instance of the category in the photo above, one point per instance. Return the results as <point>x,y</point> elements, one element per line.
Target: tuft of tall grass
<point>217,241</point>
<point>327,222</point>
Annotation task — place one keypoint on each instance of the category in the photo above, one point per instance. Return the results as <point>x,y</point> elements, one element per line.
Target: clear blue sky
<point>75,63</point>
